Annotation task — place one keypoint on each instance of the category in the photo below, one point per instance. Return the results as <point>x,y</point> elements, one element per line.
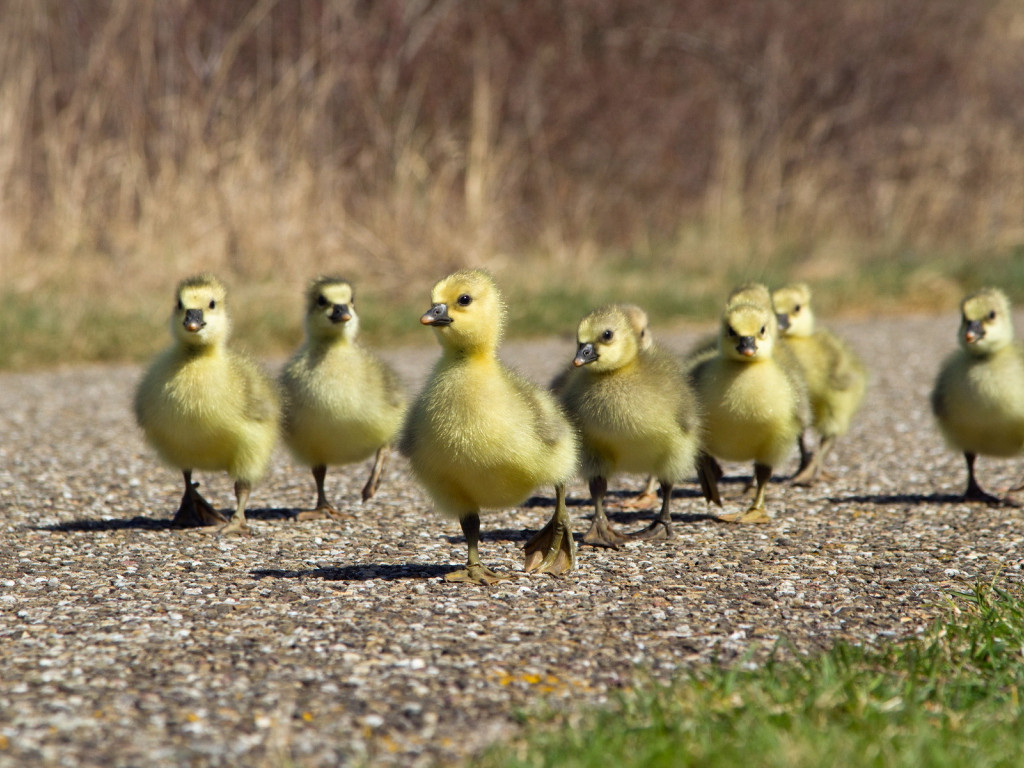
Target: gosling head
<point>793,309</point>
<point>639,322</point>
<point>986,324</point>
<point>330,309</point>
<point>467,312</point>
<point>607,339</point>
<point>748,332</point>
<point>200,317</point>
<point>750,293</point>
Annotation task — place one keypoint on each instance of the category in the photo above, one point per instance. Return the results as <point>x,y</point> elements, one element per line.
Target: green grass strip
<point>948,697</point>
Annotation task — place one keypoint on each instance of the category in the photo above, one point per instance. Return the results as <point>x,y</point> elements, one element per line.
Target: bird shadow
<point>647,515</point>
<point>142,523</point>
<point>366,572</point>
<point>899,498</point>
<point>612,496</point>
<point>123,524</point>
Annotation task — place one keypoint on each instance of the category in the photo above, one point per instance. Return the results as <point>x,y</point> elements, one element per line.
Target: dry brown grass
<point>557,144</point>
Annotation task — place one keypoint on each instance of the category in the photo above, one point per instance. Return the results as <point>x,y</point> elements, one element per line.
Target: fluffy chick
<point>835,376</point>
<point>480,436</point>
<point>342,403</point>
<point>978,398</point>
<point>204,406</point>
<point>635,411</point>
<point>752,404</point>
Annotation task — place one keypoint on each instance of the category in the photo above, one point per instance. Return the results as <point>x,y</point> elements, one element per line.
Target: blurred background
<point>584,151</point>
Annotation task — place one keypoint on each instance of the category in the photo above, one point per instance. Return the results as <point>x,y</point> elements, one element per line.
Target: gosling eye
<point>213,303</point>
<point>796,309</point>
<point>465,300</point>
<point>321,300</point>
<point>763,329</point>
<point>181,304</point>
<point>731,331</point>
<point>992,315</point>
<point>607,335</point>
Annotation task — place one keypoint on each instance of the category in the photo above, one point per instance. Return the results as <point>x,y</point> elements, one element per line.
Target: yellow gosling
<point>751,403</point>
<point>978,398</point>
<point>342,403</point>
<point>204,406</point>
<point>635,412</point>
<point>835,376</point>
<point>640,324</point>
<point>480,436</point>
<point>745,293</point>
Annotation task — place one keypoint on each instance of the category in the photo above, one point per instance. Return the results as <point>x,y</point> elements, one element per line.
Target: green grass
<point>950,697</point>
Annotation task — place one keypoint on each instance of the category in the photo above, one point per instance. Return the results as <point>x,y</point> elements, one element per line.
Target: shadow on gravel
<point>900,498</point>
<point>152,523</point>
<point>386,572</point>
<point>133,523</point>
<point>639,518</point>
<point>611,498</point>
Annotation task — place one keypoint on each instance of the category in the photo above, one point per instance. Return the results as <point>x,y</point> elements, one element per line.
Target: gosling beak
<point>585,354</point>
<point>974,331</point>
<point>747,346</point>
<point>783,319</point>
<point>340,314</point>
<point>194,320</point>
<point>436,315</point>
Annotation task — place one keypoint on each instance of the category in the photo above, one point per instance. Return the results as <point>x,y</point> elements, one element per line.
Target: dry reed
<point>553,142</point>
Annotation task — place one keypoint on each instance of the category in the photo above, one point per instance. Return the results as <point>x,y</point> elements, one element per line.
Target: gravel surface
<point>124,642</point>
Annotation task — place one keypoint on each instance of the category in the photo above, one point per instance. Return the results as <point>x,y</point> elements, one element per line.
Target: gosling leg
<point>974,491</point>
<point>324,508</point>
<point>474,572</point>
<point>662,527</point>
<point>238,523</point>
<point>601,533</point>
<point>757,512</point>
<point>380,461</point>
<point>195,511</point>
<point>552,549</point>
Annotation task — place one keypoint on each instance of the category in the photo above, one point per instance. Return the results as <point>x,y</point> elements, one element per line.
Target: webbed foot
<point>659,530</point>
<point>808,475</point>
<point>643,500</point>
<point>602,534</point>
<point>551,550</point>
<point>324,512</point>
<point>976,495</point>
<point>752,515</point>
<point>477,574</point>
<point>236,526</point>
<point>195,511</point>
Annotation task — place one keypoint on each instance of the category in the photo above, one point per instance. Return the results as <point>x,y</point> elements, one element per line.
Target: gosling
<point>342,403</point>
<point>640,324</point>
<point>978,397</point>
<point>835,376</point>
<point>480,436</point>
<point>751,403</point>
<point>635,412</point>
<point>204,406</point>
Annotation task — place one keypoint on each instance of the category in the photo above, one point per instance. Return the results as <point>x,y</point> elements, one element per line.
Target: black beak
<point>585,354</point>
<point>974,331</point>
<point>194,320</point>
<point>340,314</point>
<point>783,319</point>
<point>747,346</point>
<point>436,315</point>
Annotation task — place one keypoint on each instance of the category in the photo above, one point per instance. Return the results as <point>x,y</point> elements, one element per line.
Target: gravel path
<point>124,642</point>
